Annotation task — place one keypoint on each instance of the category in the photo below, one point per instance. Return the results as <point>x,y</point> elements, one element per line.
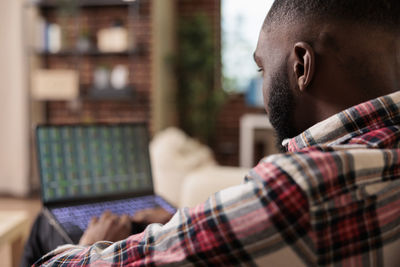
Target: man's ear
<point>304,64</point>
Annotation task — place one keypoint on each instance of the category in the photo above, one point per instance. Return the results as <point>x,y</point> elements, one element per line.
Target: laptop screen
<point>91,161</point>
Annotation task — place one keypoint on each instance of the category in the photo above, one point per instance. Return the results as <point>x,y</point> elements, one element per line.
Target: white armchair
<point>200,184</point>
<point>185,172</point>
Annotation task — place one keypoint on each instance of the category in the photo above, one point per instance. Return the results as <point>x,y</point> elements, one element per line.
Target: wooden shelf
<point>90,16</point>
<point>84,3</point>
<point>91,53</point>
<point>111,99</point>
<point>111,94</point>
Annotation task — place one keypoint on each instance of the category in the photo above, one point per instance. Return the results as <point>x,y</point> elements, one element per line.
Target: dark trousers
<point>42,239</point>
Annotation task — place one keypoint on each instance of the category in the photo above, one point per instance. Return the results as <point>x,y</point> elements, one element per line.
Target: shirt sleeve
<point>235,225</point>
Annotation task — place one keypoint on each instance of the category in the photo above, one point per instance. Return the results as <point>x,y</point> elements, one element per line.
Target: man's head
<point>320,57</point>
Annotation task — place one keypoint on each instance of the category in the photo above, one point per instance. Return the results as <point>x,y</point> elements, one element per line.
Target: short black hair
<point>383,13</point>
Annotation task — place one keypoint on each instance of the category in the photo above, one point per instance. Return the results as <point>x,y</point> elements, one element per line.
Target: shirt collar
<point>357,120</point>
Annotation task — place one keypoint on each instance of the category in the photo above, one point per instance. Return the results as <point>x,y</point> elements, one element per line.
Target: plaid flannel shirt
<point>333,199</point>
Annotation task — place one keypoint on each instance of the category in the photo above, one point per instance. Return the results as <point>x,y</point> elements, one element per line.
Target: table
<point>14,226</point>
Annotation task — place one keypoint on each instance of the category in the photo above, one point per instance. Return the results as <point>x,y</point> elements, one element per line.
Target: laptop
<point>88,169</point>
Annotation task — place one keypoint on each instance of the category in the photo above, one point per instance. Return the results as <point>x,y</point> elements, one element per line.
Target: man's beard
<point>281,107</point>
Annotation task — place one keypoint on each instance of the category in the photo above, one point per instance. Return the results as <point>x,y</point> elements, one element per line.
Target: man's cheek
<point>266,93</point>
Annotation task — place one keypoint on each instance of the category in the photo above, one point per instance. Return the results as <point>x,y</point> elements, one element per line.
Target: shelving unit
<point>93,53</point>
<point>90,16</point>
<point>85,3</point>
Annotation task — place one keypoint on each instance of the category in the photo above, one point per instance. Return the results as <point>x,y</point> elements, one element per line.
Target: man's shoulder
<point>325,172</point>
<point>352,196</point>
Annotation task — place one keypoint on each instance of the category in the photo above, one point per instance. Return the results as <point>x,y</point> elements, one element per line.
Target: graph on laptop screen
<point>88,161</point>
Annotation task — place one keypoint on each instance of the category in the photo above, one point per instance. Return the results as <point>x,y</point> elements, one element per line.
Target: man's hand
<point>109,227</point>
<point>155,215</point>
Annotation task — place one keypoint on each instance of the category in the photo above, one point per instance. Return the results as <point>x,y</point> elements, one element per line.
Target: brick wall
<point>137,108</point>
<point>226,146</point>
<point>210,8</point>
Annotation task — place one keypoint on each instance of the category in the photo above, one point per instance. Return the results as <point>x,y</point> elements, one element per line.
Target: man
<point>331,76</point>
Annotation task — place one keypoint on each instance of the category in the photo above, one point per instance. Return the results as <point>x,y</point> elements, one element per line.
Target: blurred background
<point>181,63</point>
<point>186,64</point>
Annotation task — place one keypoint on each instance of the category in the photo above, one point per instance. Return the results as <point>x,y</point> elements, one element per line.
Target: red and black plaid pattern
<point>333,199</point>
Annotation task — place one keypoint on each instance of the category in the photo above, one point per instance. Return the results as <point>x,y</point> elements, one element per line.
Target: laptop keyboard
<point>80,215</point>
